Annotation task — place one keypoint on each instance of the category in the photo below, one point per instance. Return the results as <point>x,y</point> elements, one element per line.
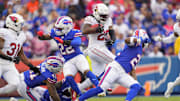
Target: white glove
<point>157,38</point>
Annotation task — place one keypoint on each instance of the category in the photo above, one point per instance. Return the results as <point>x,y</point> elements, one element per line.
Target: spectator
<point>9,10</point>
<point>40,49</point>
<point>48,6</point>
<point>155,29</point>
<point>39,20</point>
<point>170,51</point>
<point>156,52</point>
<point>157,7</point>
<point>115,9</point>
<point>62,10</point>
<point>169,12</point>
<point>17,5</point>
<point>90,6</point>
<point>32,6</point>
<point>119,44</point>
<point>120,27</point>
<point>27,45</point>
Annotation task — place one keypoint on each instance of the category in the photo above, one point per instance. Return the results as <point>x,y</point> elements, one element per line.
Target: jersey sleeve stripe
<point>78,34</point>
<point>51,81</point>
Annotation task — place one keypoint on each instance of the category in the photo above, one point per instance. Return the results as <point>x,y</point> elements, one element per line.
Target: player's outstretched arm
<point>89,29</point>
<point>52,91</point>
<point>133,74</point>
<point>25,60</point>
<point>43,36</point>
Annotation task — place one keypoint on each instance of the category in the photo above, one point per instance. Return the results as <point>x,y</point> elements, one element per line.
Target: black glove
<point>109,42</point>
<point>16,60</point>
<point>67,42</point>
<point>100,29</point>
<point>34,69</point>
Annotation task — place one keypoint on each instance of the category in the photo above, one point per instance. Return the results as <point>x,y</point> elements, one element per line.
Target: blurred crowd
<point>157,17</point>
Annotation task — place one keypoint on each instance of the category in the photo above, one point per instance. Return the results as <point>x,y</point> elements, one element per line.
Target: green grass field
<point>154,98</point>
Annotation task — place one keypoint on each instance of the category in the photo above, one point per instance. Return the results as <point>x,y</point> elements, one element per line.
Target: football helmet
<point>101,12</point>
<point>141,34</point>
<point>63,25</point>
<point>15,22</point>
<point>54,64</point>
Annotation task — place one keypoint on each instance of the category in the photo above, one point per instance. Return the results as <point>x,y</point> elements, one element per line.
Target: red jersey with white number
<point>98,38</point>
<point>12,42</point>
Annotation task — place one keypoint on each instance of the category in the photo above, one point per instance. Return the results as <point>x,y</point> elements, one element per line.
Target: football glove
<point>16,60</point>
<point>34,69</point>
<point>67,42</point>
<point>157,38</point>
<point>100,29</point>
<point>109,42</point>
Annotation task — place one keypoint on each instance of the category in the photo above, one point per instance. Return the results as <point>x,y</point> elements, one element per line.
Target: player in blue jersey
<point>30,80</point>
<point>69,41</point>
<point>63,90</point>
<point>117,71</point>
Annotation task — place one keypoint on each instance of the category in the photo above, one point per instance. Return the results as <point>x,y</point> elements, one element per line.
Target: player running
<point>117,71</point>
<point>98,27</point>
<point>11,51</point>
<point>170,39</point>
<point>29,80</point>
<point>69,41</point>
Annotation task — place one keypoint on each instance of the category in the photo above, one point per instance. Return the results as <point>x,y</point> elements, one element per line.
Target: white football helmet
<point>178,15</point>
<point>15,22</point>
<point>63,25</point>
<point>101,12</point>
<point>140,33</point>
<point>54,64</point>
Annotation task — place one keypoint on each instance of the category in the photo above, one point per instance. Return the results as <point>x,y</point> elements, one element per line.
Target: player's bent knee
<point>86,71</point>
<point>136,87</point>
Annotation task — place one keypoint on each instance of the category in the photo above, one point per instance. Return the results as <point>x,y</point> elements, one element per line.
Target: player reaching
<point>69,41</point>
<point>98,27</point>
<point>30,80</point>
<point>117,71</point>
<point>11,51</point>
<point>170,39</point>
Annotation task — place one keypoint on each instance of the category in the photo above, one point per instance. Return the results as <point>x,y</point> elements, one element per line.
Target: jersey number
<point>13,46</point>
<point>100,37</point>
<point>67,50</point>
<point>135,60</point>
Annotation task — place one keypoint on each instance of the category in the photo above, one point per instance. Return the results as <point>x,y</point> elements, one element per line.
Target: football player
<point>63,90</point>
<point>11,51</point>
<point>69,41</point>
<point>98,27</point>
<point>29,80</point>
<point>170,39</point>
<point>117,71</point>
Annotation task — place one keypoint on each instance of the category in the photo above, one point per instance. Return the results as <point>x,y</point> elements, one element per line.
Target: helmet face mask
<point>63,25</point>
<point>15,22</point>
<point>54,64</point>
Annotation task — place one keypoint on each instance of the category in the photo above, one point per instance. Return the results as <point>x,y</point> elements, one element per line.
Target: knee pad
<point>136,87</point>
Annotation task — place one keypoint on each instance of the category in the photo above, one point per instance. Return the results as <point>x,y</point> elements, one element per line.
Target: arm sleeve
<point>76,41</point>
<point>169,39</point>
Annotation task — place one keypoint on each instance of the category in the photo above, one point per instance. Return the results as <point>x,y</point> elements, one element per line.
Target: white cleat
<point>103,94</point>
<point>169,90</point>
<point>13,99</point>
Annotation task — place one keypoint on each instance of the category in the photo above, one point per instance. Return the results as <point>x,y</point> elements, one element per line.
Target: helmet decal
<point>14,19</point>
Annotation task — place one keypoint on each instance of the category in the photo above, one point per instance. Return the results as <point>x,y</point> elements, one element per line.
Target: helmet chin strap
<point>14,30</point>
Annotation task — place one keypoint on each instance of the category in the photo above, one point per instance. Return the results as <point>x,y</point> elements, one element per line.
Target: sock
<point>85,84</point>
<point>93,78</point>
<point>134,89</point>
<point>73,84</point>
<point>90,93</point>
<point>177,81</point>
<point>8,89</point>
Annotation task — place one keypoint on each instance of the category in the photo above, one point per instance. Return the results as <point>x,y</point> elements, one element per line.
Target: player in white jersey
<point>98,27</point>
<point>11,51</point>
<point>170,39</point>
